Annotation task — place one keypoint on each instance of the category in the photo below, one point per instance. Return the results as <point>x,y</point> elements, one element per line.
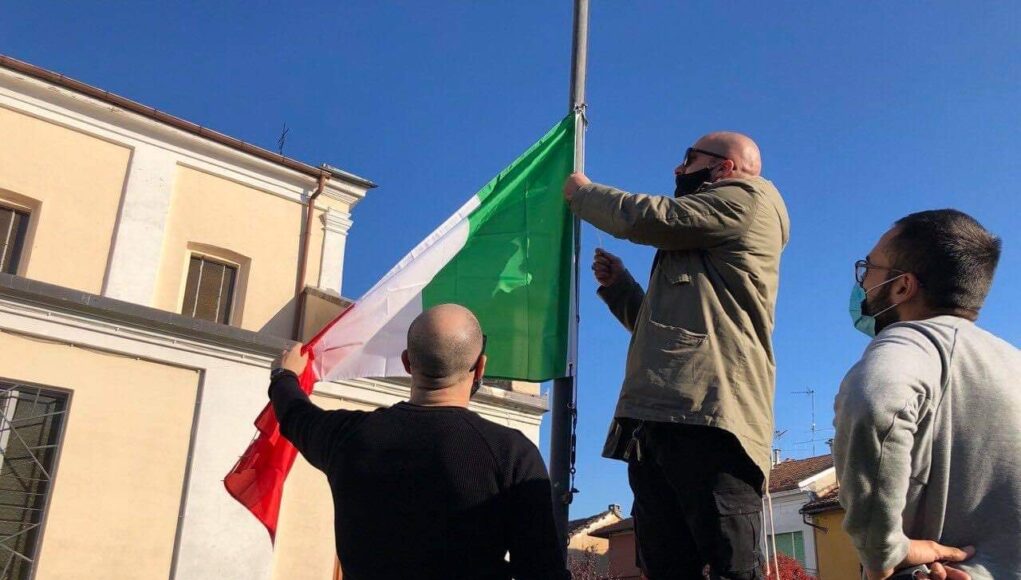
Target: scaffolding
<point>32,419</point>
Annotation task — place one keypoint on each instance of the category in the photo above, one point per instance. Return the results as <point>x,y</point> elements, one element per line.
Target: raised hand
<point>294,360</point>
<point>607,267</point>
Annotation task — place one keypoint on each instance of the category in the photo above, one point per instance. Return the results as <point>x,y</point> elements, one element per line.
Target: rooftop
<point>824,503</point>
<point>577,525</point>
<point>60,80</point>
<point>786,475</point>
<point>620,527</point>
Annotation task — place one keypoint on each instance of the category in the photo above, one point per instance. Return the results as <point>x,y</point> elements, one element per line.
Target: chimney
<point>776,456</point>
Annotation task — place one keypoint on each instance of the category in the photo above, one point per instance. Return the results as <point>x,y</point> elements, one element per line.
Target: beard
<point>880,303</point>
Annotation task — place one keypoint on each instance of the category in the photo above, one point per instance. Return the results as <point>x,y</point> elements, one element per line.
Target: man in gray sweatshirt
<point>928,423</point>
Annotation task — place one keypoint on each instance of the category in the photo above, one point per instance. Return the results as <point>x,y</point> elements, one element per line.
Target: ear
<point>480,369</point>
<point>905,288</point>
<point>406,361</point>
<point>726,169</point>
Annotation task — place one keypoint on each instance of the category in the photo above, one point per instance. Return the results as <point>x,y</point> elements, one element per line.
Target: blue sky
<point>864,111</point>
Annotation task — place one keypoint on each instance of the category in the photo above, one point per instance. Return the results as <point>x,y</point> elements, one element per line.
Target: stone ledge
<point>134,315</point>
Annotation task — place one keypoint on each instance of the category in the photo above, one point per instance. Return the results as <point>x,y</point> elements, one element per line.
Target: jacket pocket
<point>664,358</point>
<point>674,299</point>
<point>674,268</point>
<point>668,337</point>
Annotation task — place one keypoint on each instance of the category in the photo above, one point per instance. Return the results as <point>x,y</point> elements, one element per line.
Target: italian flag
<point>505,254</point>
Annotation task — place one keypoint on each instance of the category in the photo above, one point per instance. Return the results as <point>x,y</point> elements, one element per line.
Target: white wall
<point>788,519</point>
<point>218,538</point>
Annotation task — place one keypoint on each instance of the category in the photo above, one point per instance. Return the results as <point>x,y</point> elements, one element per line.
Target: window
<point>31,421</point>
<point>790,543</point>
<point>209,289</point>
<point>13,225</point>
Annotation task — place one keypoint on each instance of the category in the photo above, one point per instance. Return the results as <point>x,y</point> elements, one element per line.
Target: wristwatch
<point>276,373</point>
<point>913,573</point>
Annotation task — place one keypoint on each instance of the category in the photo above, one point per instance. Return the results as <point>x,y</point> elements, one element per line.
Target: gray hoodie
<point>928,445</point>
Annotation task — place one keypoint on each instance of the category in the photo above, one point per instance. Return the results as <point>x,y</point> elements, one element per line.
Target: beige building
<point>621,561</point>
<point>838,559</point>
<point>150,270</point>
<point>586,553</point>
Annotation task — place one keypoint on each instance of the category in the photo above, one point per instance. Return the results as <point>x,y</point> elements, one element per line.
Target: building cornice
<point>337,221</point>
<point>39,299</point>
<point>125,104</point>
<point>488,401</point>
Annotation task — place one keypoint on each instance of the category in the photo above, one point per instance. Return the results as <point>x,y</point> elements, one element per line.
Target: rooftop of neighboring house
<point>581,525</point>
<point>824,503</point>
<point>791,473</point>
<point>621,527</point>
<point>787,475</point>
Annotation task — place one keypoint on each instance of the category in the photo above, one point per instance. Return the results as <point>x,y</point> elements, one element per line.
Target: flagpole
<point>564,412</point>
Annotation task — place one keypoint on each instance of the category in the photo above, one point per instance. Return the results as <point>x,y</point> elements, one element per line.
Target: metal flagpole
<point>565,394</point>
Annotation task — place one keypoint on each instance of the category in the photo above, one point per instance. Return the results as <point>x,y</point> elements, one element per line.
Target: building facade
<point>835,551</point>
<point>151,269</point>
<point>792,484</point>
<point>586,553</point>
<point>622,552</point>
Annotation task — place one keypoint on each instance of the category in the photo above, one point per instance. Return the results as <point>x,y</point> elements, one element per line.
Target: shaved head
<point>734,146</point>
<point>444,344</point>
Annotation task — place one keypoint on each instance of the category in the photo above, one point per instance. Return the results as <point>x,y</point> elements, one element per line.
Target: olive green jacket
<point>701,349</point>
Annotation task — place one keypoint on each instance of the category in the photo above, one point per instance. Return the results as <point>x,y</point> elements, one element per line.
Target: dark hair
<point>952,255</point>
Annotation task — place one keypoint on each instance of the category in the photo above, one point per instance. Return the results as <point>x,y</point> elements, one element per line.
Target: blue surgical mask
<point>866,323</point>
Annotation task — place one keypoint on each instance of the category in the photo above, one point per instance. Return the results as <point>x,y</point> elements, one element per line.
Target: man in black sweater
<point>428,489</point>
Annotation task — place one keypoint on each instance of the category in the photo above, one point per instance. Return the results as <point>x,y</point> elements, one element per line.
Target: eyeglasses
<point>862,267</point>
<point>690,150</point>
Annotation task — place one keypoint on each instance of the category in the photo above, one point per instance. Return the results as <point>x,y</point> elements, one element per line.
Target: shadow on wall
<point>282,323</point>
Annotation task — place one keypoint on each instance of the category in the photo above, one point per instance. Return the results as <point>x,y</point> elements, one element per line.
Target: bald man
<point>427,488</point>
<point>694,420</point>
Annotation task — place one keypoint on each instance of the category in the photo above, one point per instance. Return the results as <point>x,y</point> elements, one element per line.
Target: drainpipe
<point>299,286</point>
<point>804,519</point>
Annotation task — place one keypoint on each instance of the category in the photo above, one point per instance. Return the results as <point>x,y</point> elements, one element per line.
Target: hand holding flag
<point>574,182</point>
<point>294,359</point>
<point>505,255</point>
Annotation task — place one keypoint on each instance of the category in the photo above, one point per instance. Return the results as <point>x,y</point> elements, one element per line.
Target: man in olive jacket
<point>695,416</point>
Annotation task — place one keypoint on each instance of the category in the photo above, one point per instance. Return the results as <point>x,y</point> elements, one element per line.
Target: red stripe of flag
<point>257,479</point>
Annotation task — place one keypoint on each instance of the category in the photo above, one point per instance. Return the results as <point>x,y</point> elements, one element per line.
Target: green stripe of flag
<point>514,271</point>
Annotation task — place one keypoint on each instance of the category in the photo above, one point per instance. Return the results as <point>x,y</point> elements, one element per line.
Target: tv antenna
<point>811,394</point>
<point>283,139</point>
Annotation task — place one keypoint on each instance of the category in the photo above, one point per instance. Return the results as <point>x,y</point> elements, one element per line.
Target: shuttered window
<point>209,290</point>
<point>13,225</point>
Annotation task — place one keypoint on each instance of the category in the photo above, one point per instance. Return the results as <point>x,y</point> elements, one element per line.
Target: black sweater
<point>426,492</point>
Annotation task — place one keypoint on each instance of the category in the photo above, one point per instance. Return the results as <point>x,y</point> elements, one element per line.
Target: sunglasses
<point>688,154</point>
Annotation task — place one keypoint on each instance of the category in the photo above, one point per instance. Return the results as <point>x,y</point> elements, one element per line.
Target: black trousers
<point>698,503</point>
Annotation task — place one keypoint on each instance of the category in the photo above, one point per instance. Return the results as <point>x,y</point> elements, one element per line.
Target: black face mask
<point>689,183</point>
